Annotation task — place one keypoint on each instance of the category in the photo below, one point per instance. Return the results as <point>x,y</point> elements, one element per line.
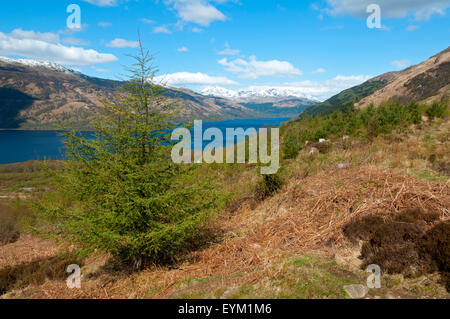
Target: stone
<point>342,165</point>
<point>356,291</point>
<point>313,151</point>
<point>227,293</point>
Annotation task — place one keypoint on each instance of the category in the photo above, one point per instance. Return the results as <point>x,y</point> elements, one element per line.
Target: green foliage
<point>276,111</point>
<point>291,146</point>
<point>268,186</point>
<point>366,123</point>
<point>121,191</point>
<point>346,99</point>
<point>438,109</point>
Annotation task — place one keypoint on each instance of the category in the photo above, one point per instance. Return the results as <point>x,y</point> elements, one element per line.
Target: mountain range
<point>426,82</point>
<point>274,101</point>
<point>38,95</point>
<point>259,94</point>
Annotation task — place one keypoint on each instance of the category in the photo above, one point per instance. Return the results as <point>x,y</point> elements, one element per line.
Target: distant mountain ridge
<point>37,95</point>
<point>259,94</point>
<point>35,63</point>
<point>425,83</point>
<point>273,101</point>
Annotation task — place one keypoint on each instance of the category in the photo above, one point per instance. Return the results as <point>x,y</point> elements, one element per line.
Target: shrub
<point>291,146</point>
<point>368,123</point>
<point>323,147</point>
<point>121,192</point>
<point>268,186</point>
<point>437,109</point>
<point>9,226</point>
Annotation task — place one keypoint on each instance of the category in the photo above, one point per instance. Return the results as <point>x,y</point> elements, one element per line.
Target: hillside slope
<point>38,95</point>
<point>298,243</point>
<point>424,83</point>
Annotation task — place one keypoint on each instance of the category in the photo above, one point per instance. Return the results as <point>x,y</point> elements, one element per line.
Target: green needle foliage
<point>291,146</point>
<point>367,123</point>
<point>123,194</point>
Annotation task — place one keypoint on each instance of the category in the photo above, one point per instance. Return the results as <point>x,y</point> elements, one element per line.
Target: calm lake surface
<point>21,146</point>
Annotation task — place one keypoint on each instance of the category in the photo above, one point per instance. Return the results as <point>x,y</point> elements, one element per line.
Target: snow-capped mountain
<point>39,95</point>
<point>217,91</point>
<point>43,64</point>
<point>257,92</point>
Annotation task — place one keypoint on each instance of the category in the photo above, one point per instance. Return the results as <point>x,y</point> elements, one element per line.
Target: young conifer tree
<point>124,195</point>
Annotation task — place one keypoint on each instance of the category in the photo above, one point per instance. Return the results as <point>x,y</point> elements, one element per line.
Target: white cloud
<point>349,79</point>
<point>46,46</point>
<point>183,49</point>
<point>104,24</point>
<point>401,64</point>
<point>122,43</point>
<point>49,37</point>
<point>197,30</point>
<point>161,29</point>
<point>420,9</point>
<point>314,6</point>
<point>253,69</point>
<point>102,3</point>
<point>411,28</point>
<point>320,70</point>
<point>201,12</point>
<point>74,41</point>
<point>228,50</point>
<point>102,70</point>
<point>187,78</point>
<point>148,21</point>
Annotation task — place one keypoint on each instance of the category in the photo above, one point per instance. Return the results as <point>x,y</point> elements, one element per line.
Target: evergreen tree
<point>124,193</point>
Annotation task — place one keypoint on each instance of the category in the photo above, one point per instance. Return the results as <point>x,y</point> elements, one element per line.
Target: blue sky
<point>320,47</point>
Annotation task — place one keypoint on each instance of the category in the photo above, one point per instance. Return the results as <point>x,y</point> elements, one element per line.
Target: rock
<point>322,140</point>
<point>227,293</point>
<point>356,291</point>
<point>28,189</point>
<point>342,165</point>
<point>345,137</point>
<point>313,151</point>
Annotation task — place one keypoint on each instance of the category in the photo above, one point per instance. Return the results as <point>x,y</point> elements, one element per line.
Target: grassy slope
<point>346,98</point>
<point>269,110</point>
<point>248,260</point>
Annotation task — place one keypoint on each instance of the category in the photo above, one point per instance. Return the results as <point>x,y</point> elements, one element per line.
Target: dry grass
<point>305,218</point>
<point>258,242</point>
